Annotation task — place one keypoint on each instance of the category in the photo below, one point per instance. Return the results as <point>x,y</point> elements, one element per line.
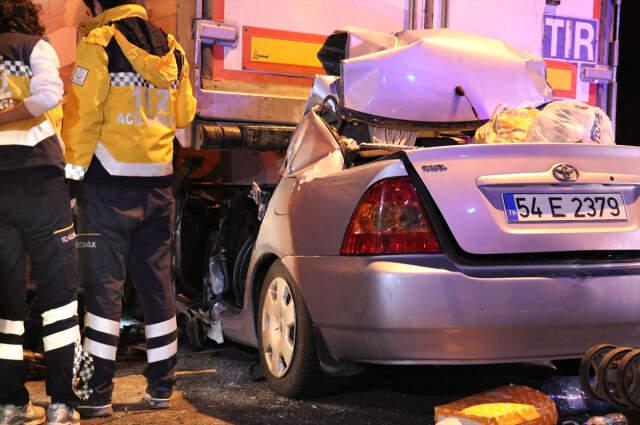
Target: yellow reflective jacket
<point>40,133</point>
<point>15,79</point>
<point>125,112</point>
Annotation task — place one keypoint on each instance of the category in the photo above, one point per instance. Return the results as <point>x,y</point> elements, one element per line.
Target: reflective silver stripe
<point>161,329</point>
<point>62,338</point>
<point>11,352</point>
<point>74,172</point>
<point>162,353</point>
<point>99,349</point>
<point>11,327</point>
<point>103,325</point>
<point>16,68</point>
<point>134,79</point>
<point>30,137</point>
<point>61,313</point>
<point>132,169</point>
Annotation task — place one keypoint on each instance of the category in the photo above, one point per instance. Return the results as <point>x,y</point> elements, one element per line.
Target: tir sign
<point>570,39</point>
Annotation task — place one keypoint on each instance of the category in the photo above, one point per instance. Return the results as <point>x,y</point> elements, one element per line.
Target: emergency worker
<point>35,218</point>
<point>130,90</point>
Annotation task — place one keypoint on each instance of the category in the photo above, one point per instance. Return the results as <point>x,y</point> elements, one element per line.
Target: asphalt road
<point>217,386</point>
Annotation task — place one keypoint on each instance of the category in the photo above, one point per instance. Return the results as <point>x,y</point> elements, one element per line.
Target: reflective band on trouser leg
<point>101,324</point>
<point>162,353</point>
<point>62,338</point>
<point>99,349</point>
<point>11,352</point>
<point>11,327</point>
<point>61,313</point>
<point>161,329</point>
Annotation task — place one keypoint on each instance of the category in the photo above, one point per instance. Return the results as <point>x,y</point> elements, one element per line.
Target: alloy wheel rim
<point>278,327</point>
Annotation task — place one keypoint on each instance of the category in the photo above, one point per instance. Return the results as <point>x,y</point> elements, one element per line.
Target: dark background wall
<point>628,120</point>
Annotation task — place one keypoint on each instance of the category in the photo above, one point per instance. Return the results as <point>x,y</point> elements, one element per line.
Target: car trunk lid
<point>475,187</point>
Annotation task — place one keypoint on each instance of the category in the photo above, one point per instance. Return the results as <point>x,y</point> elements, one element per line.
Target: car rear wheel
<point>288,353</point>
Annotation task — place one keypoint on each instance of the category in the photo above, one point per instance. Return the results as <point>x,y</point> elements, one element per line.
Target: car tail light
<point>389,219</point>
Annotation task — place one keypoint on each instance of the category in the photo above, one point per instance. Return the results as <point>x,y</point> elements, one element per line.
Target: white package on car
<point>506,125</point>
<point>570,121</point>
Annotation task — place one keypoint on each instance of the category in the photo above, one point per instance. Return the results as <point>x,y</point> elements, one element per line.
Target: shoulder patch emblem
<point>79,75</point>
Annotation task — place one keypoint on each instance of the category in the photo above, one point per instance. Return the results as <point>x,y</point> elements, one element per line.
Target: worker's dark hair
<point>109,4</point>
<point>20,16</point>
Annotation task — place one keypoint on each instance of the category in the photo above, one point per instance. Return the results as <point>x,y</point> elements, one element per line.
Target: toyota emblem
<point>565,173</point>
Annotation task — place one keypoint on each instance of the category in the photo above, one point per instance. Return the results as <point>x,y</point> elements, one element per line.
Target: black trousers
<point>35,218</point>
<point>124,232</point>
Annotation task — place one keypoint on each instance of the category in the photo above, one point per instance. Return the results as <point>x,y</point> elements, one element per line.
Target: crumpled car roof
<point>412,76</point>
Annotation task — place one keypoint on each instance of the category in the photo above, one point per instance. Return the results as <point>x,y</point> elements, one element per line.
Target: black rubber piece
<point>240,270</point>
<point>256,372</point>
<point>195,334</point>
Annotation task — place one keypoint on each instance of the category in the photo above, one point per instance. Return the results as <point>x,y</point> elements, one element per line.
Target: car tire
<point>296,374</point>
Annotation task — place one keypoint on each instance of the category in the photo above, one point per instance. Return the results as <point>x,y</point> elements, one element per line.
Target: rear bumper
<point>424,310</point>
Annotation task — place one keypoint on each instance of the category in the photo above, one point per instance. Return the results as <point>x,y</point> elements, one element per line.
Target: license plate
<point>538,207</point>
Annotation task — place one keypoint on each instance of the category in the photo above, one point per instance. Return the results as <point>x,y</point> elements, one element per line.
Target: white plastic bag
<point>570,121</point>
<point>388,136</point>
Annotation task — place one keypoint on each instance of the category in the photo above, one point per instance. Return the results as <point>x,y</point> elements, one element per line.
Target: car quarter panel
<point>307,218</point>
<point>319,209</point>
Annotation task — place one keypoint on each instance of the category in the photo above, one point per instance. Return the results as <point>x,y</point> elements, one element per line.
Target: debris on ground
<point>509,405</point>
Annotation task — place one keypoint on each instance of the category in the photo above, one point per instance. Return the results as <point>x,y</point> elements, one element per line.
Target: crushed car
<point>392,238</point>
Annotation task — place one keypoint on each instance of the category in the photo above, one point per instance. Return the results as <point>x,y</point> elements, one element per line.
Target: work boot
<point>61,414</point>
<point>21,415</point>
<point>158,397</point>
<point>95,409</point>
